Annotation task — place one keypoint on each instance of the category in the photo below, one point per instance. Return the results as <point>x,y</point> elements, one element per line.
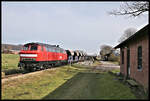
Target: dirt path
<point>105,65</point>
<point>109,64</point>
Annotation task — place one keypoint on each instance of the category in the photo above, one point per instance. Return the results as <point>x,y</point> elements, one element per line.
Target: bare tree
<point>127,33</point>
<point>133,9</point>
<point>105,51</point>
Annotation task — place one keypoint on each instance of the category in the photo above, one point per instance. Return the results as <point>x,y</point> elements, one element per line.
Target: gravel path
<point>107,66</point>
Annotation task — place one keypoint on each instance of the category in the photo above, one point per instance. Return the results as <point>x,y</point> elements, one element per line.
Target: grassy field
<point>9,61</point>
<point>115,70</point>
<point>37,86</point>
<point>66,82</point>
<point>75,82</point>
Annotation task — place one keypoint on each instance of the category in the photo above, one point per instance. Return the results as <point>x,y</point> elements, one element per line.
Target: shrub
<point>114,58</point>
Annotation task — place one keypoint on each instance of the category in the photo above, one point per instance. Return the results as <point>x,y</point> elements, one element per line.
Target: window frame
<point>25,48</point>
<point>139,58</point>
<point>122,56</point>
<point>33,46</point>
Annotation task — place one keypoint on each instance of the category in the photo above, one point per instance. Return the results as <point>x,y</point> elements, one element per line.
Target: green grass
<point>115,70</point>
<point>66,82</point>
<point>36,86</point>
<point>9,61</point>
<point>75,82</point>
<point>92,86</point>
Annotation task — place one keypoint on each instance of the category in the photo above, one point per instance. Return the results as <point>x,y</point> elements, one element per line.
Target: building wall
<point>140,76</point>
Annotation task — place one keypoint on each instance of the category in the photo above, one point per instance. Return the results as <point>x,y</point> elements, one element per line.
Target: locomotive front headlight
<point>28,55</point>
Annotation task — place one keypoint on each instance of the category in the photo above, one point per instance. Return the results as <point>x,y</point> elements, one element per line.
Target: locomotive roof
<point>41,44</point>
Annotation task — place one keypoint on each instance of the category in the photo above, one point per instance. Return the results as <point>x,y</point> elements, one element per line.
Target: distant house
<point>134,59</point>
<point>9,51</point>
<point>15,51</point>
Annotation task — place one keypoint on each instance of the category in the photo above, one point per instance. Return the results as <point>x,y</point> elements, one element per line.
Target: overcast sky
<point>73,25</point>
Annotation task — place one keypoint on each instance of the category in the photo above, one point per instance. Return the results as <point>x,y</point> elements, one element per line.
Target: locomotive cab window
<point>33,47</point>
<point>25,47</point>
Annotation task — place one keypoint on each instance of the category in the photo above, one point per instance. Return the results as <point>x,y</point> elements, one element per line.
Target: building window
<point>139,57</point>
<point>122,58</point>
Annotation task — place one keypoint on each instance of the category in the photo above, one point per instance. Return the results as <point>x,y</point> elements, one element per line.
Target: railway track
<point>21,75</point>
<point>11,75</point>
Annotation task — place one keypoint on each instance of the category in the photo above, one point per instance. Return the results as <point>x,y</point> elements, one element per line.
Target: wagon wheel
<point>41,67</point>
<point>45,66</point>
<point>32,69</point>
<point>25,70</point>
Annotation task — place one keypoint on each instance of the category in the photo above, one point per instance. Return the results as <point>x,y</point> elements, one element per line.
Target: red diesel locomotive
<point>35,56</point>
